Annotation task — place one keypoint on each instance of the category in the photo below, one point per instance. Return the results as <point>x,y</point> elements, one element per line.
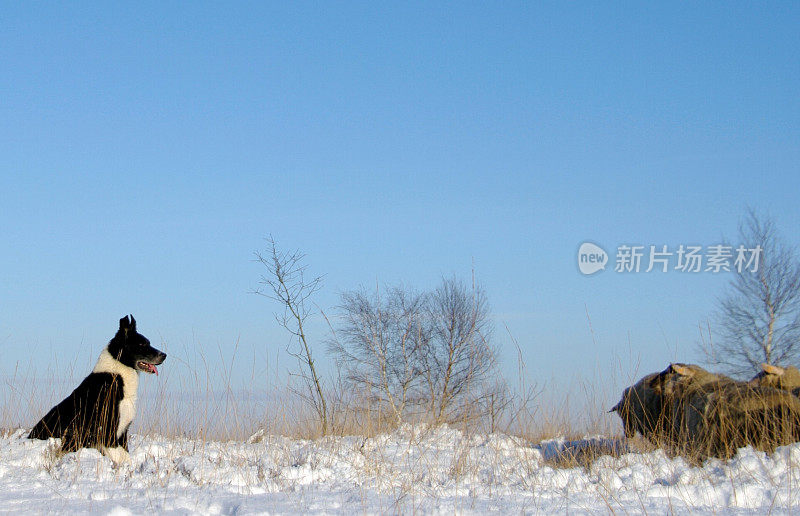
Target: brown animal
<point>739,414</point>
<point>640,409</point>
<point>686,391</point>
<point>784,378</point>
<point>713,415</point>
<point>677,378</point>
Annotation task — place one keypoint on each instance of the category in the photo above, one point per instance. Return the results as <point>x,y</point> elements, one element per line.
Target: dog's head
<point>133,349</point>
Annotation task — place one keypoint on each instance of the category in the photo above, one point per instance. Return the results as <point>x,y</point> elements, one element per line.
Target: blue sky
<point>149,148</point>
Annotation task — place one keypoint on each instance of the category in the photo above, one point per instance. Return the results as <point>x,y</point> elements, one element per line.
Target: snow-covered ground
<point>439,470</point>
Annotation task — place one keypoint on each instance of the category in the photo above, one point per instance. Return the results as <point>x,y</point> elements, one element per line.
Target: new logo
<point>591,258</point>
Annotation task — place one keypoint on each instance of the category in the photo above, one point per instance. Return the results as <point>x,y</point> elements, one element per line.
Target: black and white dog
<point>99,412</point>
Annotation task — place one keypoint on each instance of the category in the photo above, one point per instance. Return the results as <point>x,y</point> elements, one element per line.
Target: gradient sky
<point>147,150</point>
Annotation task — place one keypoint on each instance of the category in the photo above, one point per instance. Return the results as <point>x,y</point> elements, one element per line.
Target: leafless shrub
<point>496,402</point>
<point>379,346</point>
<point>421,354</point>
<point>458,360</point>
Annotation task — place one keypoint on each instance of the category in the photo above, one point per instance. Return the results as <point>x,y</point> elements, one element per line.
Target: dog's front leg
<point>117,454</point>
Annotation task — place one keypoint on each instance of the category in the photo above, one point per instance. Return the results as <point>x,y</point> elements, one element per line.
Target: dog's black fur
<point>100,410</point>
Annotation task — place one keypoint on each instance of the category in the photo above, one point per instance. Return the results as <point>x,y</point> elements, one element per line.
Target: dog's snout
<point>161,357</point>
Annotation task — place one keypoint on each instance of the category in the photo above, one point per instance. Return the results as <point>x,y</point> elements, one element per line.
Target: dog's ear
<point>682,370</point>
<point>773,369</point>
<point>124,323</point>
<point>133,323</point>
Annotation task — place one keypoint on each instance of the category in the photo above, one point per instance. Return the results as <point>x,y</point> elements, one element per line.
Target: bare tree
<point>459,360</point>
<point>759,316</point>
<point>285,282</point>
<point>422,354</point>
<point>379,344</point>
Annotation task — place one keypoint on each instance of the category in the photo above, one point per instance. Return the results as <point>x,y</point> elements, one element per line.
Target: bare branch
<point>285,283</point>
<point>758,319</point>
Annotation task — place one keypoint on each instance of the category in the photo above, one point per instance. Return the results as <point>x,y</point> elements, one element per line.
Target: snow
<point>414,469</point>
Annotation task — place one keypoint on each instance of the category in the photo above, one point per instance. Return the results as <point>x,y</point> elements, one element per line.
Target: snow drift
<point>427,470</point>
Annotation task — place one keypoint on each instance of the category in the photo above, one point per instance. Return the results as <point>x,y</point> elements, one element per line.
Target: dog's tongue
<point>155,370</point>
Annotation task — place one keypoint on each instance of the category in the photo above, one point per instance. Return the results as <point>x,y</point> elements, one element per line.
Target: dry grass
<point>194,399</point>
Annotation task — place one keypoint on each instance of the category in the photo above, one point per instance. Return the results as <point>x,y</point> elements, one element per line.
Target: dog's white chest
<point>130,383</point>
<point>127,410</point>
<point>127,406</point>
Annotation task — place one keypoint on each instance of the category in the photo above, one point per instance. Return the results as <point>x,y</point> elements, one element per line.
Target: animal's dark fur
<point>700,414</point>
<point>100,410</point>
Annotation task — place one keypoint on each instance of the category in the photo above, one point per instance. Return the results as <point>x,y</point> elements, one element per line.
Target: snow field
<point>414,469</point>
